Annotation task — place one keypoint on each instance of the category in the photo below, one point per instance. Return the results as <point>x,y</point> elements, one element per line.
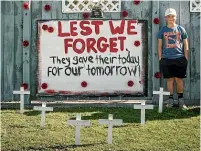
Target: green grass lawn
<point>173,130</point>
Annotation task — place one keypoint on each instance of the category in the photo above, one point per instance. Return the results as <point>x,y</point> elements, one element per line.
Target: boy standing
<point>173,56</point>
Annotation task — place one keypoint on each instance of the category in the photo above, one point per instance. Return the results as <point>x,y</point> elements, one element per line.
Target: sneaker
<point>181,103</point>
<point>170,103</point>
<point>176,103</point>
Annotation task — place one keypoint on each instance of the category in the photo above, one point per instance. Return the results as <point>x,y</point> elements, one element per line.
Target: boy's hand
<point>186,48</point>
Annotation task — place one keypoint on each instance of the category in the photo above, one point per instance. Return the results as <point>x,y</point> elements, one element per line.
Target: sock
<point>180,95</point>
<point>171,96</point>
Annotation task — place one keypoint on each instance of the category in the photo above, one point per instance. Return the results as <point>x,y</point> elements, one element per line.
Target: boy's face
<point>171,19</point>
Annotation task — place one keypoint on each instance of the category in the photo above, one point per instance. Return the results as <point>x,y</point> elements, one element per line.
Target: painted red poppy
<point>47,7</point>
<point>130,83</point>
<point>84,84</point>
<point>50,29</point>
<point>137,43</point>
<point>136,2</point>
<point>44,86</point>
<point>25,85</point>
<point>124,13</point>
<point>157,75</point>
<point>156,21</point>
<point>44,27</point>
<point>25,5</point>
<point>25,43</point>
<point>86,15</point>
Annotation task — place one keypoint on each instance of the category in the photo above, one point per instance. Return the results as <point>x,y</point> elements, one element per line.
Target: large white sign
<point>90,57</point>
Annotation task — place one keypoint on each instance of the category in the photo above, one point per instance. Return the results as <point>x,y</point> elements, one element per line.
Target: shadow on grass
<point>16,126</point>
<point>32,113</point>
<point>128,115</point>
<point>61,147</point>
<point>133,116</point>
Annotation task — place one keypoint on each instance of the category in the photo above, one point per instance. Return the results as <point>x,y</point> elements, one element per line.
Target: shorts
<point>173,67</point>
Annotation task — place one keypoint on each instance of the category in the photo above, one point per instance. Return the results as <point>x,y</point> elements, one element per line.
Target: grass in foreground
<point>173,129</point>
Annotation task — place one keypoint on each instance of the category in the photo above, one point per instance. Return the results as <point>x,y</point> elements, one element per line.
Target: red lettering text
<point>122,42</point>
<point>130,27</point>
<point>90,45</point>
<point>66,44</point>
<point>118,29</point>
<point>113,44</point>
<point>81,50</point>
<point>60,34</point>
<point>97,26</point>
<point>104,45</point>
<point>72,28</point>
<point>85,30</point>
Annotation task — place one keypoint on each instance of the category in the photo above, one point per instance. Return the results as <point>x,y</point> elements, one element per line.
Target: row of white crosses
<point>78,122</point>
<point>161,93</point>
<point>143,107</point>
<point>43,109</point>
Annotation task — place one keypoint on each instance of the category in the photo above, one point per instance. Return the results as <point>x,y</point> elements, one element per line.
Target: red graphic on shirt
<point>172,36</point>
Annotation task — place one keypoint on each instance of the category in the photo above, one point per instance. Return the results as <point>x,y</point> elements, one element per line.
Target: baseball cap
<point>170,11</point>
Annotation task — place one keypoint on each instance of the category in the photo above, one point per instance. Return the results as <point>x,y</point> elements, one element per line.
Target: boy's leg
<point>170,87</point>
<point>180,71</point>
<point>180,89</point>
<point>180,85</point>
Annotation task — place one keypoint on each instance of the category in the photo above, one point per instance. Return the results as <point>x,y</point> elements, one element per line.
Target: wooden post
<point>155,30</point>
<point>26,50</point>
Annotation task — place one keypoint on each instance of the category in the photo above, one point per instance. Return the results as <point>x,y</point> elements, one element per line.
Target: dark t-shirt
<point>172,38</point>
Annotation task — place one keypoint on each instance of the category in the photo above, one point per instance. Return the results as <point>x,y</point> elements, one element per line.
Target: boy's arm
<point>159,49</point>
<point>186,48</point>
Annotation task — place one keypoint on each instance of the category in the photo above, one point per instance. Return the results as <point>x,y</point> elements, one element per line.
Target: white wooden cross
<point>22,93</point>
<point>161,93</point>
<point>78,123</point>
<point>143,106</point>
<point>110,122</point>
<point>43,109</point>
